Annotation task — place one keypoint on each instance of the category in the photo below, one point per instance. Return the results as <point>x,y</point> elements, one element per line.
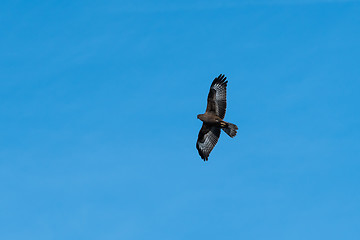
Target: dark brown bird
<point>213,118</point>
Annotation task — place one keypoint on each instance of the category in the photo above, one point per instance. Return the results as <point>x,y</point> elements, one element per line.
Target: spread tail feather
<point>230,129</point>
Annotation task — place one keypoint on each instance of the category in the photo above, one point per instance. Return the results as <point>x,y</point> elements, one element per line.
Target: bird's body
<point>210,118</point>
<point>213,118</point>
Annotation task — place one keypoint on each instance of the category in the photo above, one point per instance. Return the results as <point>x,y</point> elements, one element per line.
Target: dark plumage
<point>213,118</point>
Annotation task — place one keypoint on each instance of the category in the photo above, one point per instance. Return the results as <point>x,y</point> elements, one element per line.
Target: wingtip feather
<point>221,79</point>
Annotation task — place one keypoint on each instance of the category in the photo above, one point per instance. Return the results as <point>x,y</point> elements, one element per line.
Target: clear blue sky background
<point>98,120</point>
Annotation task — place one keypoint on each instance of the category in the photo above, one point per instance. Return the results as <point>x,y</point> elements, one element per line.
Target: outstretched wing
<point>207,139</point>
<point>216,101</point>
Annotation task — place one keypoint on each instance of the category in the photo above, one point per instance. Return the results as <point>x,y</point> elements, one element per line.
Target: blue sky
<point>98,120</point>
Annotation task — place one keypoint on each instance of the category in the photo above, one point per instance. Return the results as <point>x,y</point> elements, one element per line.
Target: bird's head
<point>199,116</point>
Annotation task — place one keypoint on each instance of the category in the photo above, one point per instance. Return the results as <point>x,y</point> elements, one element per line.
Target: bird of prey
<point>213,118</point>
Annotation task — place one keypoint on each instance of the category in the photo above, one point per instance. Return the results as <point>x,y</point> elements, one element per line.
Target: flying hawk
<point>213,118</point>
